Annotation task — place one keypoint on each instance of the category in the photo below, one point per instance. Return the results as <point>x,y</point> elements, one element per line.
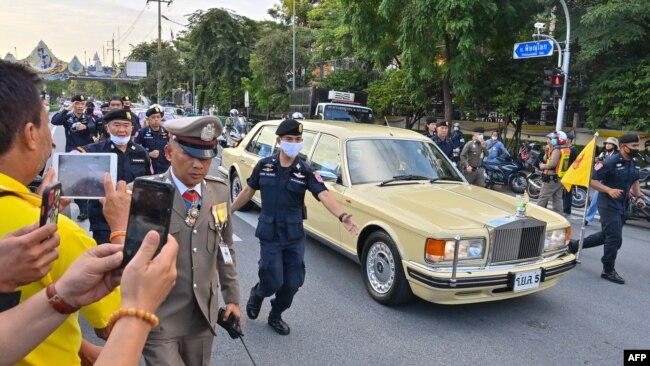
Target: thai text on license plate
<point>527,280</point>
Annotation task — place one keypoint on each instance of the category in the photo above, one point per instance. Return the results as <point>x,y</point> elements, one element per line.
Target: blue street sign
<point>532,49</point>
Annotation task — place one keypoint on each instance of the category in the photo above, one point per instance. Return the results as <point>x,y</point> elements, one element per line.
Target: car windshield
<point>348,113</point>
<point>380,160</point>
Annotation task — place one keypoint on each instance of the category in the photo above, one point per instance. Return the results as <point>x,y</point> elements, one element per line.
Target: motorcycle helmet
<point>297,115</point>
<point>234,112</point>
<point>557,138</point>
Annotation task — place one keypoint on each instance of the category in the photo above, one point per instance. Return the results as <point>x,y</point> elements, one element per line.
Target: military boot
<point>254,304</point>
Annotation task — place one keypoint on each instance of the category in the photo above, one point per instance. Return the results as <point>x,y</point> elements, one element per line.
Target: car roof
<point>348,130</point>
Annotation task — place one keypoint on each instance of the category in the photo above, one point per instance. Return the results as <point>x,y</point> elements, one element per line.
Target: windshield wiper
<point>453,179</point>
<point>402,178</point>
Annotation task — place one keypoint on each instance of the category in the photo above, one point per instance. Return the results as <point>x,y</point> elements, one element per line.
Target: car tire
<point>235,188</point>
<point>383,274</point>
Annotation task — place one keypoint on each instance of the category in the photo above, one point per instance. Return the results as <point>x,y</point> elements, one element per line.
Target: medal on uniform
<point>220,216</point>
<point>192,215</point>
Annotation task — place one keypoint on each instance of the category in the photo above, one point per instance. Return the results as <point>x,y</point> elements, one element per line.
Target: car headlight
<point>443,250</point>
<point>557,239</point>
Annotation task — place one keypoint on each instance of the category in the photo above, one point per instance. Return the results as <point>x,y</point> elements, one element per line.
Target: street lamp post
<point>565,69</point>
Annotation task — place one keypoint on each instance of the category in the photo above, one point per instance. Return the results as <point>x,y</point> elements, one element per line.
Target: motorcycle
<point>534,186</point>
<point>634,211</point>
<point>507,173</point>
<point>234,131</point>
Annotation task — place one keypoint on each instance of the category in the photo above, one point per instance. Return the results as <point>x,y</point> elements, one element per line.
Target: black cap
<point>431,120</point>
<point>442,124</point>
<point>479,129</point>
<point>628,138</point>
<point>78,98</point>
<point>105,105</point>
<point>90,104</point>
<point>289,127</point>
<point>153,110</point>
<point>570,135</point>
<point>126,98</point>
<point>121,114</point>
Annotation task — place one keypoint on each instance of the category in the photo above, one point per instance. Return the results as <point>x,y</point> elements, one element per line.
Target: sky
<point>72,27</point>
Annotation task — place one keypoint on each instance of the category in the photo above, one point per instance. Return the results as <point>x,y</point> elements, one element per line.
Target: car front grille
<point>516,240</point>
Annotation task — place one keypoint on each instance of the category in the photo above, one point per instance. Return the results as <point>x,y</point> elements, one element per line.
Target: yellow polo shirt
<point>22,208</point>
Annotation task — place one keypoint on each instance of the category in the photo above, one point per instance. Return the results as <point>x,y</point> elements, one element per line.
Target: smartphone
<point>50,204</point>
<point>151,209</point>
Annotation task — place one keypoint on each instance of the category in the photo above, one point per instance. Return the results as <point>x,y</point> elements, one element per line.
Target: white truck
<point>332,105</point>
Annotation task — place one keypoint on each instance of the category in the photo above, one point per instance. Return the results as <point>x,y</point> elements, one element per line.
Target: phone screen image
<point>83,175</point>
<point>50,204</point>
<point>151,206</point>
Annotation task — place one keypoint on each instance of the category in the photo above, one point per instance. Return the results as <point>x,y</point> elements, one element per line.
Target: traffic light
<point>553,83</point>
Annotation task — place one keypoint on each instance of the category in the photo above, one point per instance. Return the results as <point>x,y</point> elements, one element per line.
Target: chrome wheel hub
<point>380,267</point>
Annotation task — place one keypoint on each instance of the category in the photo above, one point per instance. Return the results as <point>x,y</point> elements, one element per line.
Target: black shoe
<point>279,325</point>
<point>613,276</point>
<point>82,217</point>
<point>254,304</point>
<point>574,246</point>
<point>586,223</point>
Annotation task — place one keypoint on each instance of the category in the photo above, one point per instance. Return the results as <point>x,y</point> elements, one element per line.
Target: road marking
<point>249,217</point>
<point>235,237</point>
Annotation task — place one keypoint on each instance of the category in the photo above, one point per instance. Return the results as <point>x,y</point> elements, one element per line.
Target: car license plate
<point>527,280</point>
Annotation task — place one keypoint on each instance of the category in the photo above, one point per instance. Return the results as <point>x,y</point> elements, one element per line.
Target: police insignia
<point>299,127</point>
<point>298,175</point>
<point>207,133</point>
<point>267,169</point>
<point>319,179</point>
<point>598,166</point>
<point>268,165</point>
<point>157,109</point>
<point>128,115</point>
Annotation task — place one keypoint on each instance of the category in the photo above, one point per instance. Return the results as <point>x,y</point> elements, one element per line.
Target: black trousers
<point>567,200</point>
<point>610,237</point>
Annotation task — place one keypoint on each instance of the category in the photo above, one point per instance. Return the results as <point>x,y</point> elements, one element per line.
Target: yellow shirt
<point>22,208</point>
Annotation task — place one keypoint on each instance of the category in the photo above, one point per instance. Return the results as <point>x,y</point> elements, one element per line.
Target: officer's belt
<point>547,178</point>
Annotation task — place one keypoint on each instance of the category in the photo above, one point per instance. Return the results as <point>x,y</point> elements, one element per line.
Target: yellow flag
<point>579,172</point>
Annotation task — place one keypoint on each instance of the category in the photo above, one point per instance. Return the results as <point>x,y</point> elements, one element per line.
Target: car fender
<point>372,226</point>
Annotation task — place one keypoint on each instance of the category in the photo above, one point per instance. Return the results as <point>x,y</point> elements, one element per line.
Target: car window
<point>308,139</point>
<point>327,155</point>
<point>376,160</point>
<point>262,143</point>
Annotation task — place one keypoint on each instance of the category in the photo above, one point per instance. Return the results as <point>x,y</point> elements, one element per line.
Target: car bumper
<point>484,285</point>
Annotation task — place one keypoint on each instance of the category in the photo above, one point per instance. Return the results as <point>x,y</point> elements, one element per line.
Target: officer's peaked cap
<point>118,114</point>
<point>154,110</point>
<point>126,98</point>
<point>289,127</point>
<point>442,124</point>
<point>196,135</point>
<point>629,138</point>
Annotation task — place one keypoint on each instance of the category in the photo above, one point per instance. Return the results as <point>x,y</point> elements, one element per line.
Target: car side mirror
<point>327,175</point>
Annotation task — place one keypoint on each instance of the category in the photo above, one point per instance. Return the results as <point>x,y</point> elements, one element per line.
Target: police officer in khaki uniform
<point>471,160</point>
<point>205,264</point>
<point>556,164</point>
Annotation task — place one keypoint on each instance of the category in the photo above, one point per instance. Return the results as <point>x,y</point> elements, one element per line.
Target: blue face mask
<point>291,149</point>
<point>554,142</point>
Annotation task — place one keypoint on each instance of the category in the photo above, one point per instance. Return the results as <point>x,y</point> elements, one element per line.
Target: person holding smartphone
<point>25,146</point>
<point>206,262</point>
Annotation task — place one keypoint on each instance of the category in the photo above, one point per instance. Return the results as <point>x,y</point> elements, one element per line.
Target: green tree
<point>221,43</point>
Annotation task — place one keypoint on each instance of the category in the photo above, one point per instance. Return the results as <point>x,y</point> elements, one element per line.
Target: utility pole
<point>293,68</point>
<point>565,69</point>
<point>112,49</point>
<point>158,73</point>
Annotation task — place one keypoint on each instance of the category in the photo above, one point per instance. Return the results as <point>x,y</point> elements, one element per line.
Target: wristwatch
<point>57,302</point>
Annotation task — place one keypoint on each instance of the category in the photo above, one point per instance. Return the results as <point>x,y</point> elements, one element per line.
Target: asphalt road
<point>584,320</point>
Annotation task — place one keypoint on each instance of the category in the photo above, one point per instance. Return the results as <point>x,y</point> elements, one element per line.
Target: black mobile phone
<point>151,209</point>
<point>50,204</point>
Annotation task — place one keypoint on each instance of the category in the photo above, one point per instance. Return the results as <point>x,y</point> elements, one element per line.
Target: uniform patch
<point>298,175</point>
<point>267,169</point>
<point>319,179</point>
<point>598,166</point>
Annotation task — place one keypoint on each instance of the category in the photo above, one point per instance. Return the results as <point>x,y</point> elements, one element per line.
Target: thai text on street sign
<point>532,49</point>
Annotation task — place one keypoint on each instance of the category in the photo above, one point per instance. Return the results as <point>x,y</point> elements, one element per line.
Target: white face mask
<point>494,138</point>
<point>120,140</point>
<point>292,149</point>
<point>479,137</point>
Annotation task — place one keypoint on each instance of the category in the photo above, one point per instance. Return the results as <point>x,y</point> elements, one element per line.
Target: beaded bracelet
<point>116,234</point>
<point>150,318</point>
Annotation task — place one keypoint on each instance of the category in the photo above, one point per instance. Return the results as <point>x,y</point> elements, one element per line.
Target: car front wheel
<point>383,272</point>
<point>236,188</point>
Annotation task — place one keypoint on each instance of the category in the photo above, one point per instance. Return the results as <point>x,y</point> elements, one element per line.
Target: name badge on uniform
<point>225,253</point>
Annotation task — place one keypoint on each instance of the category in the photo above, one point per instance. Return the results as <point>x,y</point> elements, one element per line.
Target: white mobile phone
<point>82,175</point>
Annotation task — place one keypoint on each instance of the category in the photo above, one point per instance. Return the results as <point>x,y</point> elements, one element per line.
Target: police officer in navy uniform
<point>154,138</point>
<point>126,102</point>
<point>132,162</point>
<point>283,180</point>
<point>443,140</point>
<point>614,178</point>
<point>430,127</point>
<point>79,129</point>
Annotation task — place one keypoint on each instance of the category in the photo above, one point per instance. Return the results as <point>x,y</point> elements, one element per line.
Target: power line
<point>130,29</point>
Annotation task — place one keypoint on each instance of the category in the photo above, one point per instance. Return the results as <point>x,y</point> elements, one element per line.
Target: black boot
<point>613,276</point>
<point>254,304</point>
<point>573,246</point>
<point>279,325</point>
